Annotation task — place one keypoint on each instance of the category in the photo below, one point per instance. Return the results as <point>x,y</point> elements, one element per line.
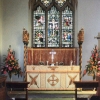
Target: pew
<point>18,85</point>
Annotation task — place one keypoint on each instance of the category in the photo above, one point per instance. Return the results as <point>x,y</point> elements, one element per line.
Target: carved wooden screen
<point>53,23</point>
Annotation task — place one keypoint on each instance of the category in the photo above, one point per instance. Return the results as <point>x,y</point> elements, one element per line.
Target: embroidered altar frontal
<point>52,77</point>
<point>65,55</point>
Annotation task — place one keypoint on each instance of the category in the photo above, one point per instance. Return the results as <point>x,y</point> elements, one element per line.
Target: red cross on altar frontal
<point>52,55</point>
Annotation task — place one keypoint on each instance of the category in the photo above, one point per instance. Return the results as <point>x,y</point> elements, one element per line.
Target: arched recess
<point>65,35</point>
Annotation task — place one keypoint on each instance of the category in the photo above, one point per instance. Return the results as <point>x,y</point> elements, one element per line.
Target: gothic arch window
<point>53,23</point>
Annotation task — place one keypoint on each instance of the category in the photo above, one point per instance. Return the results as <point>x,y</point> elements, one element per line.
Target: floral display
<point>10,64</point>
<point>93,66</point>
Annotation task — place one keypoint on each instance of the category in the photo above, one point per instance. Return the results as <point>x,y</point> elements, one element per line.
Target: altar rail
<point>65,55</point>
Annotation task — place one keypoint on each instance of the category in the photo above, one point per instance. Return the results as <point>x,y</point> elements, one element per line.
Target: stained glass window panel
<point>46,2</point>
<point>53,28</point>
<point>67,28</point>
<point>39,28</point>
<point>60,2</point>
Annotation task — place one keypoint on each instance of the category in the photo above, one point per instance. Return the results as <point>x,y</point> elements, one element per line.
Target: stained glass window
<point>53,23</point>
<point>53,28</point>
<point>46,2</point>
<point>67,28</point>
<point>39,28</point>
<point>60,2</point>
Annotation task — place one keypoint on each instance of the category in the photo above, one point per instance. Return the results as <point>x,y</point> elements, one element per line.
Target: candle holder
<point>56,63</point>
<point>25,37</point>
<point>80,41</point>
<point>47,63</point>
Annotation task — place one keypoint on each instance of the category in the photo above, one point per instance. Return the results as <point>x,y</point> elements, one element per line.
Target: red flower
<point>11,64</point>
<point>84,72</point>
<point>9,68</point>
<point>4,72</point>
<point>93,65</point>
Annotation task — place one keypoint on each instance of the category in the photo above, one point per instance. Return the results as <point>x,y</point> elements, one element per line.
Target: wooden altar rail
<point>85,84</point>
<point>18,85</point>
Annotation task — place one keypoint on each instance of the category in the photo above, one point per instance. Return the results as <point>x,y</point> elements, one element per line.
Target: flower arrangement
<point>10,64</point>
<point>93,66</point>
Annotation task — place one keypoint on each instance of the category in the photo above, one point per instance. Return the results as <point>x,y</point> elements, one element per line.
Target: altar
<point>45,77</point>
<point>52,68</point>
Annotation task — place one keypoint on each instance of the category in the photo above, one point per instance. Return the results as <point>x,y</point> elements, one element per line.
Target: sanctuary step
<point>82,98</point>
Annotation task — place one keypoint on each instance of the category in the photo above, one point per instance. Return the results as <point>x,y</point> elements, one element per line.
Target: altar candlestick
<point>40,55</point>
<point>52,55</point>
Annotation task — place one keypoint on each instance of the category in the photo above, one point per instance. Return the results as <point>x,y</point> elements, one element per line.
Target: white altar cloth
<point>52,77</point>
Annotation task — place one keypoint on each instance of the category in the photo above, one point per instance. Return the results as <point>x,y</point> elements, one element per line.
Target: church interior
<point>49,47</point>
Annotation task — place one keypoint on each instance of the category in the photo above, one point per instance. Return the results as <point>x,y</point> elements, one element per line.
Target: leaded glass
<point>53,28</point>
<point>53,23</point>
<point>39,28</point>
<point>46,2</point>
<point>67,28</point>
<point>60,2</point>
